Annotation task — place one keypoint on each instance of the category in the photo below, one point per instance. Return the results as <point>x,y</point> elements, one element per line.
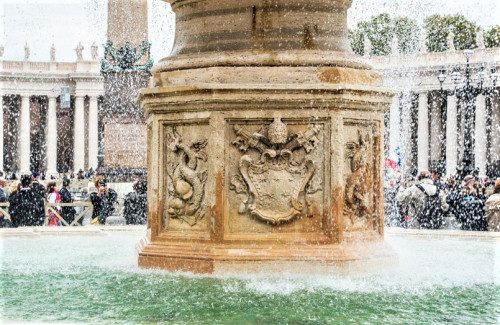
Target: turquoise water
<point>94,279</point>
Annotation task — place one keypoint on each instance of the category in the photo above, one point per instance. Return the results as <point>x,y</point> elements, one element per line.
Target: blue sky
<point>41,23</point>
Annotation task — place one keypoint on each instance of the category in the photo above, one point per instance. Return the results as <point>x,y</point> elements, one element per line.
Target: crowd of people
<point>80,175</point>
<point>28,196</point>
<point>423,202</point>
<point>426,201</point>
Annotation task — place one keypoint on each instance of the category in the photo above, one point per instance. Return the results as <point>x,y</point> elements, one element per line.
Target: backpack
<point>432,215</point>
<point>471,214</point>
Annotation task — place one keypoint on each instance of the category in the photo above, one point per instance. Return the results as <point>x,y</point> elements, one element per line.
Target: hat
<point>35,174</point>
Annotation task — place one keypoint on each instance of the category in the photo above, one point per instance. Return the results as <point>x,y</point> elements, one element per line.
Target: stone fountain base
<point>242,258</point>
<point>249,175</point>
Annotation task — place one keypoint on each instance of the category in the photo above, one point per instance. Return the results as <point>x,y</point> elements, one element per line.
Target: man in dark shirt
<point>36,186</point>
<point>68,213</point>
<point>26,207</point>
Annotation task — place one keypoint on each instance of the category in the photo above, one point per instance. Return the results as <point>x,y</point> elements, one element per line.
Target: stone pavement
<point>90,229</point>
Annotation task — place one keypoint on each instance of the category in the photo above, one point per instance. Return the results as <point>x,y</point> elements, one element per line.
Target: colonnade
<point>401,125</point>
<point>24,149</point>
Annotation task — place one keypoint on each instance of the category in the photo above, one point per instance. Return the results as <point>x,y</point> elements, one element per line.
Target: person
<point>67,213</point>
<point>103,201</point>
<point>14,188</point>
<point>135,205</point>
<point>468,205</point>
<point>438,182</point>
<point>4,221</point>
<point>36,186</point>
<point>53,197</point>
<point>3,195</point>
<point>26,206</point>
<point>390,205</point>
<point>492,208</point>
<point>425,203</point>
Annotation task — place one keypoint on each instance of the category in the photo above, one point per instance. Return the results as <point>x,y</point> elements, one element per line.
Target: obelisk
<point>127,21</point>
<point>123,131</point>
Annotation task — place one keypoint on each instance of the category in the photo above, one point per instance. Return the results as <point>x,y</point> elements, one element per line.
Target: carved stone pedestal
<point>265,142</point>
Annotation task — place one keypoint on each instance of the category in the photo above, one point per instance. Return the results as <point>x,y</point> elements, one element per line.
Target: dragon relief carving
<point>275,184</point>
<point>187,178</point>
<point>359,187</point>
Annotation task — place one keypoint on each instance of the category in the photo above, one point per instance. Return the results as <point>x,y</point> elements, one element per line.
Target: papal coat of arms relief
<point>276,181</point>
<point>187,177</point>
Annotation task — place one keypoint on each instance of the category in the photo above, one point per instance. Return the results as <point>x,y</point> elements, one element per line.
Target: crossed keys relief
<point>277,183</point>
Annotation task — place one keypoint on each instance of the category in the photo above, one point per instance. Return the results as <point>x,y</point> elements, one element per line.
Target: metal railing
<point>52,208</point>
<point>3,210</point>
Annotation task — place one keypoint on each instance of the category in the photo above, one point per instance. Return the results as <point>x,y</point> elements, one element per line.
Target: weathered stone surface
<point>262,154</point>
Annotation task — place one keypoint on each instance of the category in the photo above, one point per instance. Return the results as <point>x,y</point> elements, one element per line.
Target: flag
<point>394,160</point>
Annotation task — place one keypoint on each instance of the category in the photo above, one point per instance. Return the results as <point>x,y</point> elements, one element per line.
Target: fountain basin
<point>48,276</point>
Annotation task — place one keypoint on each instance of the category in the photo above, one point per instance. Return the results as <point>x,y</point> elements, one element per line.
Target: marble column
<point>2,135</point>
<point>52,136</point>
<point>423,132</point>
<point>93,132</point>
<point>451,136</point>
<point>394,124</point>
<point>79,135</point>
<point>24,136</point>
<point>480,135</point>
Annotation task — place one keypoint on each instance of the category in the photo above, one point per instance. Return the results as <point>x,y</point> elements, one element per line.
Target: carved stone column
<point>93,132</point>
<point>451,136</point>
<point>52,136</point>
<point>480,135</point>
<point>24,136</point>
<point>423,131</point>
<point>79,135</point>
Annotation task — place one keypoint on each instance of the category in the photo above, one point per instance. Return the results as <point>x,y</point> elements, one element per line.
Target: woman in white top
<point>53,197</point>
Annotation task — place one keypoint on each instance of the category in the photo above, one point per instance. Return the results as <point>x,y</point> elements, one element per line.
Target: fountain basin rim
<point>262,58</point>
<point>51,231</point>
<point>264,258</point>
<point>436,233</point>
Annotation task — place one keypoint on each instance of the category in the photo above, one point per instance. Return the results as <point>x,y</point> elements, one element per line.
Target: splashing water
<point>94,278</point>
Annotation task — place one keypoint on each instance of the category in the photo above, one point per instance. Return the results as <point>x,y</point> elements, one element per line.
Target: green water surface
<point>94,279</point>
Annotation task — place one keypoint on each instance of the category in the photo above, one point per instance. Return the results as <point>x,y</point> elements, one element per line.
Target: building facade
<point>38,134</point>
<point>427,125</point>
